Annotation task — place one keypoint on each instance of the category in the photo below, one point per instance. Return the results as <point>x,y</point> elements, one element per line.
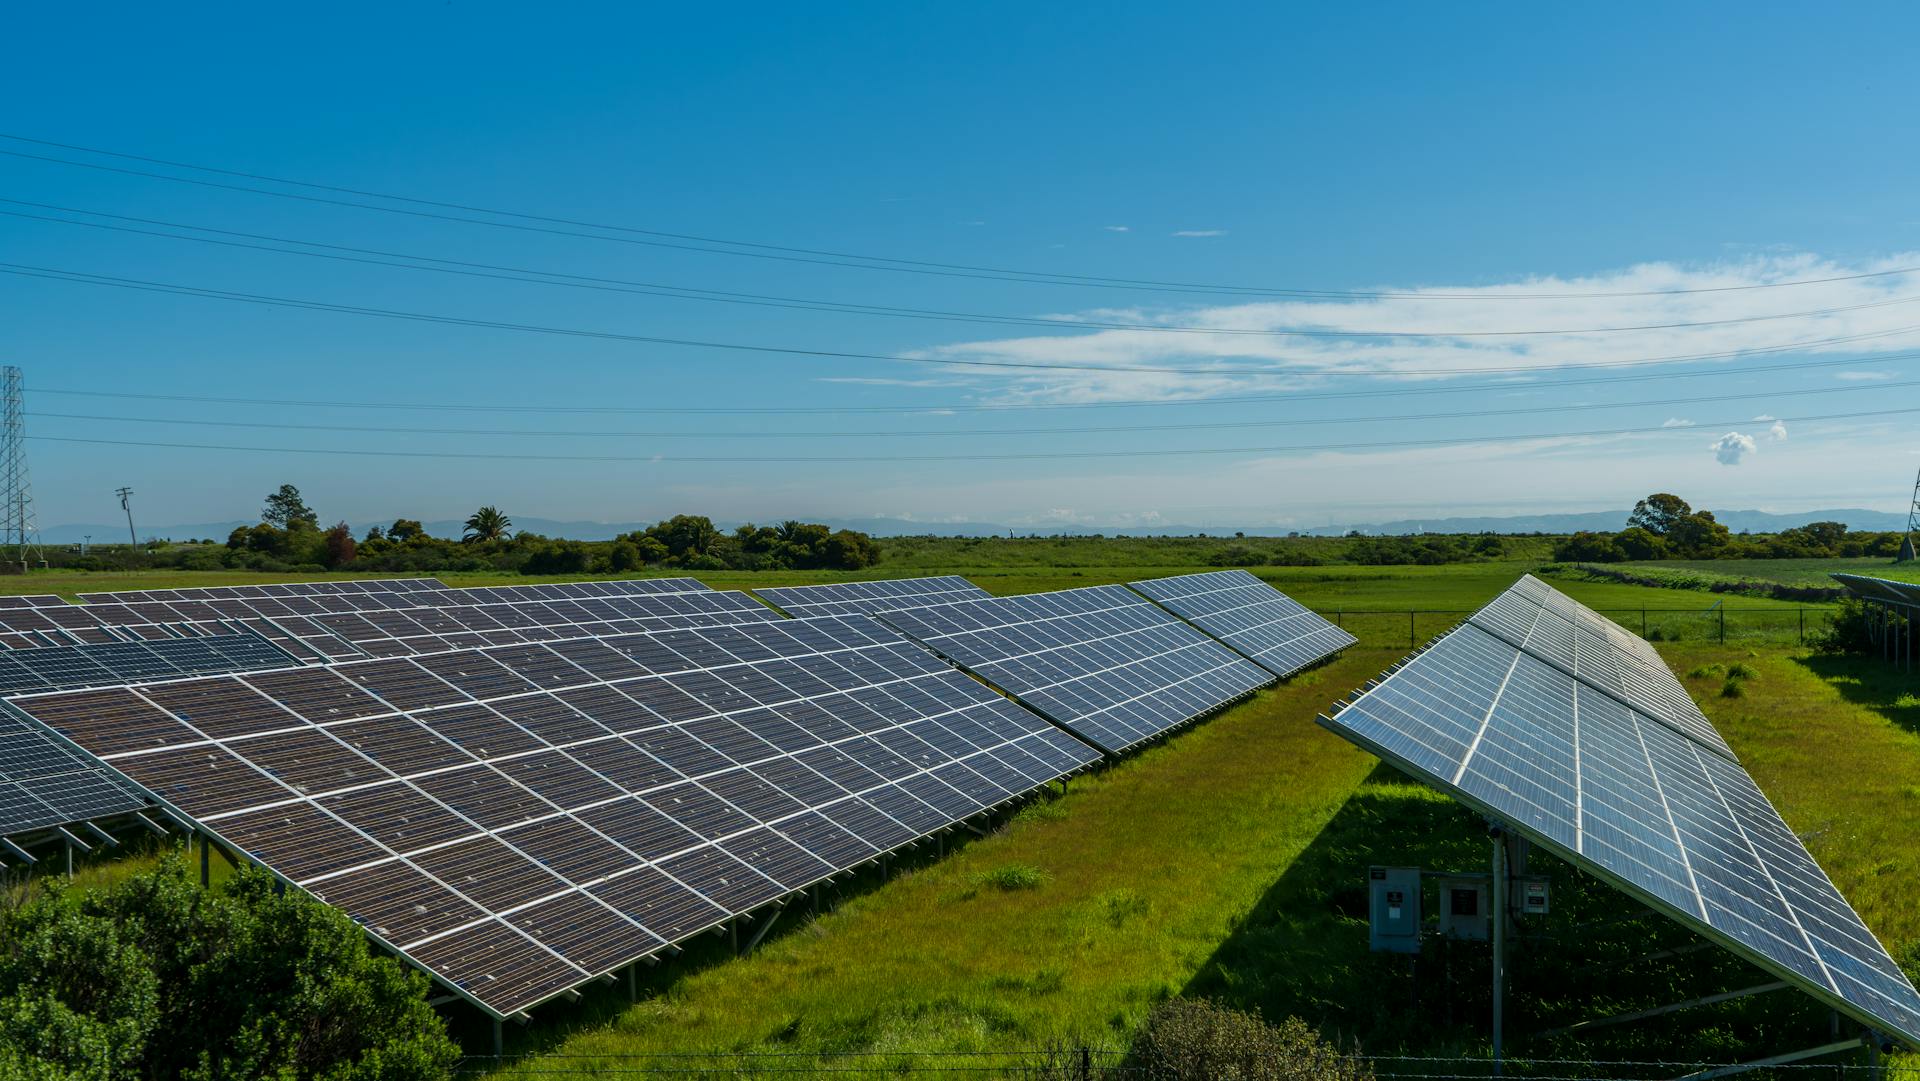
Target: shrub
<point>1732,688</point>
<point>1851,630</point>
<point>1197,1040</point>
<point>1742,671</point>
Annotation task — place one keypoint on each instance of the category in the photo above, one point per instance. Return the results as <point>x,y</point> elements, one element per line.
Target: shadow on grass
<point>1887,689</point>
<point>1303,951</point>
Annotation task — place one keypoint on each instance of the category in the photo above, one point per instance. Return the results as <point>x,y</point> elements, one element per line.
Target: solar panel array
<point>1102,662</point>
<point>871,598</point>
<point>1665,815</point>
<point>343,587</point>
<point>520,819</point>
<point>1886,590</point>
<point>44,782</point>
<point>1272,629</point>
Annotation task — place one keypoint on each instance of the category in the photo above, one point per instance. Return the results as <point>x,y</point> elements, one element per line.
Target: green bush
<point>1013,876</point>
<point>1198,1040</point>
<point>1742,671</point>
<point>1732,688</point>
<point>156,977</point>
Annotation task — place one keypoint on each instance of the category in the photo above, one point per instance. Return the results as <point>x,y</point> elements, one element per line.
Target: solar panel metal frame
<point>871,597</point>
<point>1470,636</point>
<point>850,636</point>
<point>1183,596</point>
<point>940,628</point>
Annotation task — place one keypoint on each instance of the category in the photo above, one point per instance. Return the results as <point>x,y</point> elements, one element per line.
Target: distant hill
<point>1740,521</point>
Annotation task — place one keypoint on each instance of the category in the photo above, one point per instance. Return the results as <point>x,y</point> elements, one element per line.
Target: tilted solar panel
<point>342,587</point>
<point>1616,792</point>
<point>1880,589</point>
<point>521,819</point>
<point>1591,648</point>
<point>1102,662</point>
<point>871,598</point>
<point>44,782</point>
<point>1272,629</point>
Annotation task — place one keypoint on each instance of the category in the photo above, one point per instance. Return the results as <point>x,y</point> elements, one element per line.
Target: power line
<point>922,433</point>
<point>838,258</point>
<point>976,407</point>
<point>399,261</point>
<point>86,278</point>
<point>1372,444</point>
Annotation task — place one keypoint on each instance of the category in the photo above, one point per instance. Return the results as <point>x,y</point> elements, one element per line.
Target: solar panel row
<point>1881,589</point>
<point>1670,818</point>
<point>44,782</point>
<point>521,819</point>
<point>1102,662</point>
<point>871,598</point>
<point>344,587</point>
<point>1270,628</point>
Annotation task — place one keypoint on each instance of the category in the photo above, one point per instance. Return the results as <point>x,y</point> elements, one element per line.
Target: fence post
<point>1803,626</point>
<point>1723,624</point>
<point>1643,622</point>
<point>1410,640</point>
<point>1086,1063</point>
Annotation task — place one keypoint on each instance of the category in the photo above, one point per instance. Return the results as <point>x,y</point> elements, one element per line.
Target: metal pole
<point>1723,624</point>
<point>1803,626</point>
<point>69,859</point>
<point>1499,940</point>
<point>126,504</point>
<point>633,982</point>
<point>499,1039</point>
<point>1410,641</point>
<point>206,876</point>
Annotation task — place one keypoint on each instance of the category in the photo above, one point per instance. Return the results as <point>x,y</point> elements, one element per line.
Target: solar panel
<point>871,598</point>
<point>521,819</point>
<point>1103,662</point>
<point>1617,792</point>
<point>1596,651</point>
<point>1880,589</point>
<point>342,587</point>
<point>1272,629</point>
<point>439,626</point>
<point>45,783</point>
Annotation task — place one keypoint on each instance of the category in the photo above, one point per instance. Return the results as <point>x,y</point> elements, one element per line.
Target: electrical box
<point>1393,909</point>
<point>1534,895</point>
<point>1466,906</point>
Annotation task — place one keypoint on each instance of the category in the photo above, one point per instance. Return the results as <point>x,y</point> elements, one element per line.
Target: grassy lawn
<point>1230,862</point>
<point>1793,572</point>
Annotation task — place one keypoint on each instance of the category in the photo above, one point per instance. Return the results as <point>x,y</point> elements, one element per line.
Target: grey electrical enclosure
<point>1466,904</point>
<point>1393,909</point>
<point>1534,895</point>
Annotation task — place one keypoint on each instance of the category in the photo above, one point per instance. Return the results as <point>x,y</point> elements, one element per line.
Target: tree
<point>285,507</point>
<point>686,535</point>
<point>1588,548</point>
<point>1697,534</point>
<point>1640,543</point>
<point>338,549</point>
<point>1658,512</point>
<point>624,556</point>
<point>487,524</point>
<point>405,529</point>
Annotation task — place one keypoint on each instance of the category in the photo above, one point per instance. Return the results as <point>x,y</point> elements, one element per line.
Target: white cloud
<point>1863,377</point>
<point>1677,422</point>
<point>1778,433</point>
<point>1764,418</point>
<point>1730,448</point>
<point>1439,331</point>
<point>1199,232</point>
<point>1118,228</point>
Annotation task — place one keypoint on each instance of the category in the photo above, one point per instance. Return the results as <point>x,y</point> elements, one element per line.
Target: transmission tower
<point>22,537</point>
<point>1913,526</point>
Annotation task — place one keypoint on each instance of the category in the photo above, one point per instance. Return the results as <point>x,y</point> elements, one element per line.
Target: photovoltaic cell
<point>521,819</point>
<point>1885,590</point>
<point>1272,629</point>
<point>871,598</point>
<point>1102,662</point>
<point>1672,819</point>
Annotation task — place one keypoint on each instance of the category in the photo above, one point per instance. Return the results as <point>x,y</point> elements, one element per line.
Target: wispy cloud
<point>1677,422</point>
<point>1199,232</point>
<point>1778,433</point>
<point>1437,331</point>
<point>1118,228</point>
<point>1732,448</point>
<point>1863,377</point>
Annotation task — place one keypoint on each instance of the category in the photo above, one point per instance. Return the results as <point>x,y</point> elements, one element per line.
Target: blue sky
<point>1469,160</point>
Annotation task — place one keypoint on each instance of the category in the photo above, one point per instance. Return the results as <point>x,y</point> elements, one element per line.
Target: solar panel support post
<point>206,870</point>
<point>1499,937</point>
<point>499,1039</point>
<point>633,982</point>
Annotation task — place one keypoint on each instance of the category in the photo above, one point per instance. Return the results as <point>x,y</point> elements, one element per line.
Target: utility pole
<point>126,504</point>
<point>21,534</point>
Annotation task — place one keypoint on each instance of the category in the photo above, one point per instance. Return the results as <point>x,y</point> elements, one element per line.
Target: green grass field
<point>1793,572</point>
<point>1230,862</point>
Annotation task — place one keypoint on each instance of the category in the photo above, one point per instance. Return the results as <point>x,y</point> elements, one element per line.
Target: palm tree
<point>487,524</point>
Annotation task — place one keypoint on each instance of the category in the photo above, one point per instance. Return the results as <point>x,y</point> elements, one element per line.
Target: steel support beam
<point>1779,1060</point>
<point>1672,1007</point>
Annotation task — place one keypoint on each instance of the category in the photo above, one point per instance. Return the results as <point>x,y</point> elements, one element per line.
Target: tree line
<point>289,537</point>
<point>1665,526</point>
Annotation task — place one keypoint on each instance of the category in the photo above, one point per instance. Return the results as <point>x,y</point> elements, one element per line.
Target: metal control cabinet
<point>1393,909</point>
<point>1466,905</point>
